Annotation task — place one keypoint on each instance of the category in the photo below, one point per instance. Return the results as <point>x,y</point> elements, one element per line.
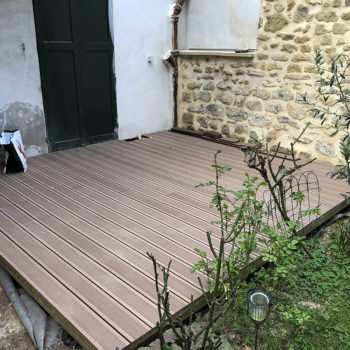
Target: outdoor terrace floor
<point>75,229</point>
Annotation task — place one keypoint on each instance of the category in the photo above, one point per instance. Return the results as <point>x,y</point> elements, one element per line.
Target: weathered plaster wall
<point>21,103</point>
<point>257,98</point>
<point>142,31</point>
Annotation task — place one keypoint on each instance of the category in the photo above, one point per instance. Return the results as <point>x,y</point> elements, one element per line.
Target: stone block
<point>286,36</point>
<point>289,48</point>
<point>214,110</point>
<point>326,39</point>
<point>259,120</point>
<point>261,93</point>
<point>301,39</point>
<point>301,57</point>
<point>305,48</point>
<point>262,55</point>
<point>327,16</point>
<point>187,97</point>
<point>273,108</point>
<point>279,7</point>
<point>273,66</point>
<point>224,98</point>
<point>326,148</point>
<point>204,96</point>
<point>240,129</point>
<point>339,28</point>
<point>290,5</point>
<point>236,113</point>
<point>320,29</point>
<point>242,90</point>
<point>301,13</point>
<point>295,111</point>
<point>223,85</point>
<point>203,122</point>
<point>195,108</point>
<point>280,57</point>
<point>254,135</point>
<point>254,105</point>
<point>286,120</point>
<point>187,118</point>
<point>284,95</point>
<point>345,16</point>
<point>192,85</point>
<point>209,86</point>
<point>263,37</point>
<point>297,76</point>
<point>275,22</point>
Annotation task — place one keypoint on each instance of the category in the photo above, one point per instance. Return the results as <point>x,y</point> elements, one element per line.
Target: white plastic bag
<point>15,158</point>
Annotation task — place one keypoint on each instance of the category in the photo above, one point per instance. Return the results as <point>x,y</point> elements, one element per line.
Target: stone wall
<point>257,98</point>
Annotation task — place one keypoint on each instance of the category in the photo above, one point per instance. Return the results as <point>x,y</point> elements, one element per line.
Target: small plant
<point>240,222</point>
<point>334,89</point>
<point>341,235</point>
<point>243,232</point>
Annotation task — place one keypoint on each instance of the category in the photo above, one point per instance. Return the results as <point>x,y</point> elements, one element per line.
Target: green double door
<point>76,65</point>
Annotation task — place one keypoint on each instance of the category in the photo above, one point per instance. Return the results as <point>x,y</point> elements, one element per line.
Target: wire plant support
<point>301,192</point>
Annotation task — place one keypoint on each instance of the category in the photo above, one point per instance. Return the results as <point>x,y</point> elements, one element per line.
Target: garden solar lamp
<point>259,306</point>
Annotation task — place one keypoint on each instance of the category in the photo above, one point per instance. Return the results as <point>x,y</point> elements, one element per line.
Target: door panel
<point>95,21</point>
<point>75,54</point>
<point>63,126</point>
<point>57,27</point>
<point>97,94</point>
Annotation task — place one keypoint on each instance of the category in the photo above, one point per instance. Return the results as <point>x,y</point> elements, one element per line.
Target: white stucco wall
<point>21,104</point>
<point>144,90</point>
<point>222,24</point>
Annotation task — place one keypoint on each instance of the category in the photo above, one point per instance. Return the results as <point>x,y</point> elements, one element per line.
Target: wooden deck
<point>75,229</point>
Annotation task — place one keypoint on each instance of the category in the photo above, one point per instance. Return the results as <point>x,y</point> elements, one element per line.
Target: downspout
<point>173,58</point>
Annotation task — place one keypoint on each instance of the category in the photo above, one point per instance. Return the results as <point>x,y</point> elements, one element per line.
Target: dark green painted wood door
<point>76,64</point>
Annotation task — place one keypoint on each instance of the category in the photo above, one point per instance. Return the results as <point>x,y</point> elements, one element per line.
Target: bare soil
<point>13,335</point>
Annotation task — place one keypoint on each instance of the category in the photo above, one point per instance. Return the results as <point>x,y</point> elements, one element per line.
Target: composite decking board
<point>151,181</point>
<point>141,236</point>
<point>149,199</point>
<point>238,165</point>
<point>191,235</point>
<point>177,195</point>
<point>110,312</point>
<point>188,241</point>
<point>123,199</point>
<point>125,219</point>
<point>55,296</point>
<point>115,183</point>
<point>76,222</point>
<point>142,161</point>
<point>83,209</point>
<point>137,201</point>
<point>90,269</point>
<point>141,283</point>
<point>208,226</point>
<point>102,257</point>
<point>235,160</point>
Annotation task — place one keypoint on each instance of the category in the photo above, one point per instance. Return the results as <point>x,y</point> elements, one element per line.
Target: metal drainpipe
<point>176,10</point>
